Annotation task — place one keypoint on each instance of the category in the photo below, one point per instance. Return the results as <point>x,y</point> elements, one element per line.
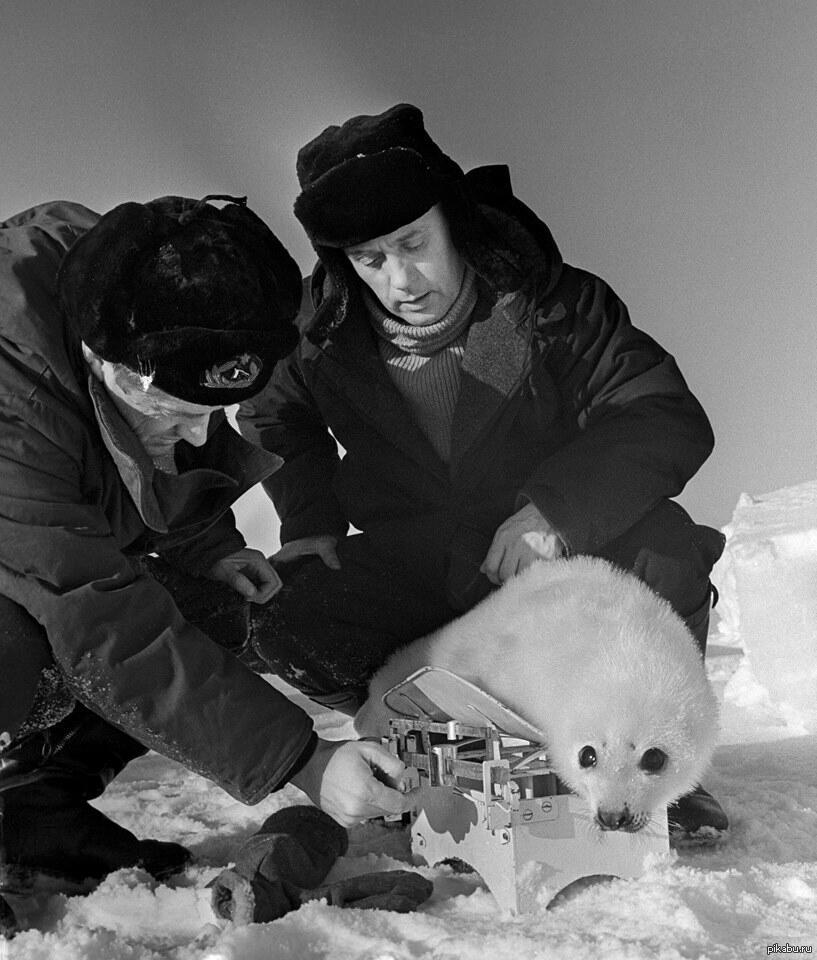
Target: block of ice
<point>767,579</point>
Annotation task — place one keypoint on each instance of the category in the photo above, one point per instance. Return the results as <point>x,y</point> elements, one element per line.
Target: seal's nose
<point>614,819</point>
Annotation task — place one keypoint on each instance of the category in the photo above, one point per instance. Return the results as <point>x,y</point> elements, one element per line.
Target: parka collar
<point>497,357</point>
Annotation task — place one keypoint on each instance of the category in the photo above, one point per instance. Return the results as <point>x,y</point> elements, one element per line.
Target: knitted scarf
<point>424,362</point>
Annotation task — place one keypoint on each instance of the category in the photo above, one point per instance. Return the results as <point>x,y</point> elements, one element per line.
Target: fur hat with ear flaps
<point>199,300</point>
<point>374,174</point>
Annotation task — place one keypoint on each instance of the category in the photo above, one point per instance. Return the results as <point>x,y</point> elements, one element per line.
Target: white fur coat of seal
<point>594,658</point>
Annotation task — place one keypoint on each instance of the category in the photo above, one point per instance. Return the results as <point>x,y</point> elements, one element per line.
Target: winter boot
<point>696,819</point>
<point>48,828</point>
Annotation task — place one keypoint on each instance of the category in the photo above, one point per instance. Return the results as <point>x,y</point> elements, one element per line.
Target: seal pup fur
<point>597,661</point>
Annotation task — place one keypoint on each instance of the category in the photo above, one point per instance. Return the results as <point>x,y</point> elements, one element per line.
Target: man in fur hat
<point>123,580</point>
<point>495,406</point>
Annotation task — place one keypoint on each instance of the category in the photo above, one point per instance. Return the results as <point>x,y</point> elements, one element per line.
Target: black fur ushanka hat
<point>197,299</point>
<point>374,174</point>
<point>370,176</point>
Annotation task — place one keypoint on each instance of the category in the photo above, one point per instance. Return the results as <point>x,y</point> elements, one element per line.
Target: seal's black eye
<point>653,760</point>
<point>587,757</point>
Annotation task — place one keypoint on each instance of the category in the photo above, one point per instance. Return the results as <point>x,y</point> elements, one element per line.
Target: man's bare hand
<point>347,779</point>
<point>249,573</point>
<point>521,540</point>
<point>322,546</point>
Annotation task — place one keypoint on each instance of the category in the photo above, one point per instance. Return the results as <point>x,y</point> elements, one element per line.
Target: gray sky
<point>671,146</point>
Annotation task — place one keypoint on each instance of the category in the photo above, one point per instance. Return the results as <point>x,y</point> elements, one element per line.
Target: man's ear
<point>94,362</point>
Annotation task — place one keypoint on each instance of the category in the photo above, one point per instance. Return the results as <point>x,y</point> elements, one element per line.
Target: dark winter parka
<point>71,530</point>
<point>563,403</point>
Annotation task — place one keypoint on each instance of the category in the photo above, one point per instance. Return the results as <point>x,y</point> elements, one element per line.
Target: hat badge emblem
<point>237,373</point>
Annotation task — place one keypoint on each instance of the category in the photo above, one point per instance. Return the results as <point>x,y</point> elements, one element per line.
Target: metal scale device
<point>490,798</point>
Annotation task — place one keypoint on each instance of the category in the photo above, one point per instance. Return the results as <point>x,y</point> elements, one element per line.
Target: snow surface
<point>731,902</point>
<point>768,579</point>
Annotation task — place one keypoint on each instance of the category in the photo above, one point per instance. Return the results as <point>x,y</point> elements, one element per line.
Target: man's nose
<point>399,274</point>
<point>195,431</point>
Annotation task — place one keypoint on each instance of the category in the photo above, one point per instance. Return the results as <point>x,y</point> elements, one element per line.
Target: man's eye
<point>372,262</point>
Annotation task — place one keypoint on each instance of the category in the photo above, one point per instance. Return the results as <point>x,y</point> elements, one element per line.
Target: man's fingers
<point>509,565</point>
<point>265,591</point>
<point>243,585</point>
<point>493,560</point>
<point>386,800</point>
<point>267,581</point>
<point>288,552</point>
<point>386,787</point>
<point>378,757</point>
<point>327,553</point>
<point>323,547</point>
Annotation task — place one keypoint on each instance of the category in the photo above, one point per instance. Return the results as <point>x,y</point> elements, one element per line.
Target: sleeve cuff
<point>302,761</point>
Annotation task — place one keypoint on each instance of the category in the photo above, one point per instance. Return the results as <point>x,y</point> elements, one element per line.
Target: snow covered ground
<point>750,897</point>
<point>758,889</point>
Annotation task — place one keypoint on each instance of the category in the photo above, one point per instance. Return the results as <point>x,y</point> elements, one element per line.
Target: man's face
<point>157,418</point>
<point>415,271</point>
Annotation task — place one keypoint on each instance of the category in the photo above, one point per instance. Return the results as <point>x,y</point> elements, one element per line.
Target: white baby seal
<point>596,660</point>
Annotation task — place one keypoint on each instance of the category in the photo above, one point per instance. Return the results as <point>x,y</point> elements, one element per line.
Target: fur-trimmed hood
<point>507,245</point>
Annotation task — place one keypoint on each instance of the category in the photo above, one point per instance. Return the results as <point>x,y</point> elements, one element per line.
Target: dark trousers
<point>55,753</point>
<point>327,631</point>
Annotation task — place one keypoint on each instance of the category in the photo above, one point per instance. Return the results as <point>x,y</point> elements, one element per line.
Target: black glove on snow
<point>294,848</point>
<point>279,867</point>
<point>398,890</point>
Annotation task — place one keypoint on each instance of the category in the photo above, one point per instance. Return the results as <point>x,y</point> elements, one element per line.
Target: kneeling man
<point>124,584</point>
<point>495,406</point>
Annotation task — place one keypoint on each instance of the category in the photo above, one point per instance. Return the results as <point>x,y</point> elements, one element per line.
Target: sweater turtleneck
<point>424,362</point>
